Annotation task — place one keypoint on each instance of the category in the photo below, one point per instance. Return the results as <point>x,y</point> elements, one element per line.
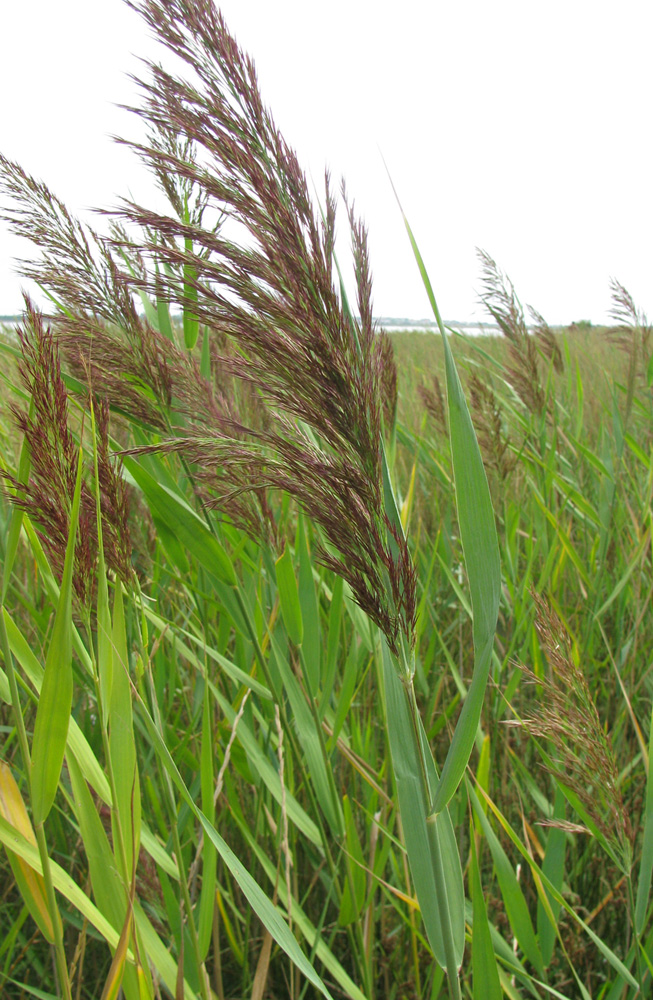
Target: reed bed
<point>326,657</point>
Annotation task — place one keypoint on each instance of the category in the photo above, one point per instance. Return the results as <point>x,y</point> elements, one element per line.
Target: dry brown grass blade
<point>262,968</point>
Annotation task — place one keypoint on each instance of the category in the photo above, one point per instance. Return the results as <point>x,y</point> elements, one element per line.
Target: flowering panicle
<point>567,716</point>
<point>389,389</point>
<point>634,336</point>
<point>500,300</point>
<point>434,403</point>
<point>47,496</point>
<point>299,389</point>
<point>269,289</point>
<point>493,440</point>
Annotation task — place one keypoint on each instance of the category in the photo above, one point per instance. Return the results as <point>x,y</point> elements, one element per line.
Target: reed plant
<point>250,614</point>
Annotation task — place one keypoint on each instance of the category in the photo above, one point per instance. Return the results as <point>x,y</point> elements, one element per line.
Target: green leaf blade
<point>289,597</point>
<point>56,696</point>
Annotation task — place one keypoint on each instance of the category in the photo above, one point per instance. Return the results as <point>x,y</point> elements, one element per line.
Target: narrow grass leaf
<point>151,314</point>
<point>359,619</point>
<point>513,897</point>
<point>159,957</point>
<point>122,745</point>
<point>260,764</point>
<point>76,741</point>
<point>289,597</point>
<point>310,933</point>
<point>190,321</point>
<point>310,740</point>
<point>390,502</point>
<point>481,551</point>
<point>483,774</point>
<point>646,863</point>
<point>205,357</point>
<point>551,890</point>
<point>209,853</point>
<point>353,897</point>
<point>234,672</point>
<point>258,900</point>
<point>485,981</point>
<point>54,592</point>
<point>13,840</point>
<point>163,318</point>
<point>32,991</point>
<point>553,867</point>
<point>332,643</point>
<point>110,894</point>
<point>414,810</point>
<point>312,641</point>
<point>633,564</point>
<point>191,531</point>
<point>30,883</point>
<point>104,643</point>
<point>114,980</point>
<point>409,499</point>
<point>56,696</point>
<point>350,675</point>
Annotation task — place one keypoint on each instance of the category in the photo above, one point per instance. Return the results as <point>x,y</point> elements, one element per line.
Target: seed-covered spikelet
<point>546,340</point>
<point>306,386</point>
<point>493,440</point>
<point>523,374</point>
<point>48,494</point>
<point>433,399</point>
<point>389,388</point>
<point>114,502</point>
<point>634,336</point>
<point>270,290</point>
<point>584,756</point>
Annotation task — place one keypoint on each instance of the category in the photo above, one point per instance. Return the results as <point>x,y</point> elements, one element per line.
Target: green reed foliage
<point>320,384</point>
<point>282,603</point>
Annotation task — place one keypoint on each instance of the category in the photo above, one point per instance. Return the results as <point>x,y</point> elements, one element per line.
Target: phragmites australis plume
<point>583,755</point>
<point>493,438</point>
<point>634,336</point>
<point>48,495</point>
<point>250,261</point>
<point>500,300</point>
<point>435,405</point>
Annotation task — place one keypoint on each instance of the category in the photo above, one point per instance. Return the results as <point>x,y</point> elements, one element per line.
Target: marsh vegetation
<point>326,655</point>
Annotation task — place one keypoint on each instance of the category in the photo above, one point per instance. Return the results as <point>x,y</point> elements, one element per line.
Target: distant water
<point>428,326</point>
<point>391,324</point>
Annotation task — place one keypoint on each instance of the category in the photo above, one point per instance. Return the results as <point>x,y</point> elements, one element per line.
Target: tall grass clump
<point>255,421</point>
<point>262,626</point>
<point>564,428</point>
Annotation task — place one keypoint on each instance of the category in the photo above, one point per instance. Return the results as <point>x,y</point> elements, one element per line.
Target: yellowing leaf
<point>29,881</point>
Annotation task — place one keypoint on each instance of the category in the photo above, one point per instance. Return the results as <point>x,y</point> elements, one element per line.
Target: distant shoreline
<point>392,325</point>
<point>387,322</point>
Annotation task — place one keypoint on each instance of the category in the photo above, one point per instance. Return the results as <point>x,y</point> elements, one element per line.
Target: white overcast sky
<point>523,128</point>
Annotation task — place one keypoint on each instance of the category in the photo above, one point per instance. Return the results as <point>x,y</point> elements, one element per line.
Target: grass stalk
<point>59,950</point>
<point>435,849</point>
<point>453,979</point>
